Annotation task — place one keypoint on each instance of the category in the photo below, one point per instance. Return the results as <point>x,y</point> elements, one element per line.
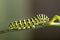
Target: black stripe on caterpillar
<point>29,23</point>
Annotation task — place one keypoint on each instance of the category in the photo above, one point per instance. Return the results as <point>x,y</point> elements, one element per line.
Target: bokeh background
<point>12,10</point>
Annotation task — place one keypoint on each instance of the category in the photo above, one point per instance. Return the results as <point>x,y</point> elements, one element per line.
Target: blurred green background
<point>12,10</point>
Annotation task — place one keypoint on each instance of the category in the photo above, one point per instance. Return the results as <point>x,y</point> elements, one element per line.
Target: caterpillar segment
<point>44,18</point>
<point>32,23</point>
<point>29,23</point>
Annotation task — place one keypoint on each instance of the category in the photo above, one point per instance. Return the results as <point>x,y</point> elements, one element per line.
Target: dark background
<point>50,8</point>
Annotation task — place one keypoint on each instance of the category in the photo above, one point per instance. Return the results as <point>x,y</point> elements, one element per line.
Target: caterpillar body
<point>29,23</point>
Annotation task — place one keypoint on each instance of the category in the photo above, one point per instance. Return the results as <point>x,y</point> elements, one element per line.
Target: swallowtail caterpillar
<point>29,23</point>
<point>42,20</point>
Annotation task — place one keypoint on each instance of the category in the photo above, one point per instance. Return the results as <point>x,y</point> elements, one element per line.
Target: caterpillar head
<point>43,18</point>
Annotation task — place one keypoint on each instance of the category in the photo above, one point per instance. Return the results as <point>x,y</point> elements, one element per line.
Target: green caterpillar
<point>41,20</point>
<point>29,23</point>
